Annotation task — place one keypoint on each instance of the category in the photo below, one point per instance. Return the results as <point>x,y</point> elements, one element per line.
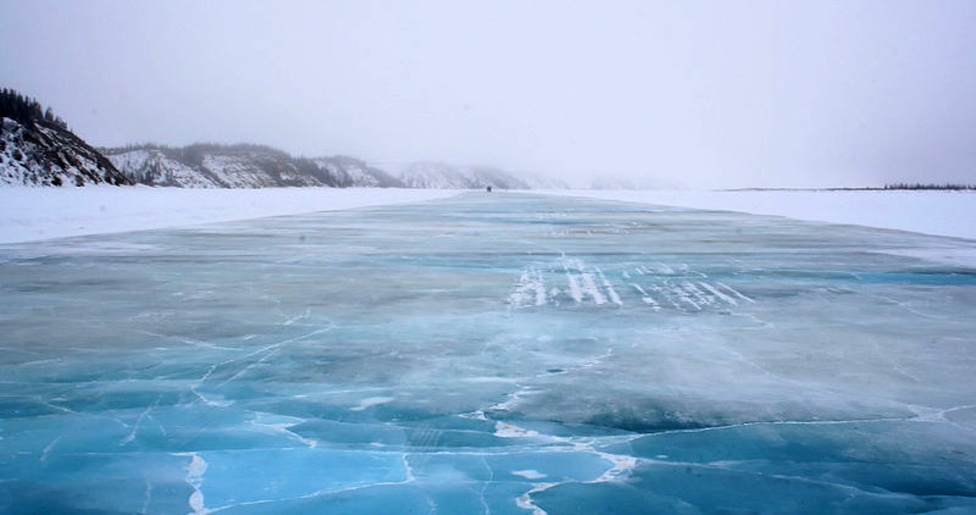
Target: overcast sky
<point>700,94</point>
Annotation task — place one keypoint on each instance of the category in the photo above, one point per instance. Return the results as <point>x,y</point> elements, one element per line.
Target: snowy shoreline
<point>940,213</point>
<point>32,214</point>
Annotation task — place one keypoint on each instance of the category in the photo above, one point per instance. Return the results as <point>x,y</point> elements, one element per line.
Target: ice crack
<point>265,353</point>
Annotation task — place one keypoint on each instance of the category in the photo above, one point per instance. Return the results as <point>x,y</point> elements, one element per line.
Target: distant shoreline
<point>935,212</point>
<point>887,187</point>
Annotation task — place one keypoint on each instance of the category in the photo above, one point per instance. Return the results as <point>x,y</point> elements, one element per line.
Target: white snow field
<point>31,214</point>
<point>484,353</point>
<point>945,213</point>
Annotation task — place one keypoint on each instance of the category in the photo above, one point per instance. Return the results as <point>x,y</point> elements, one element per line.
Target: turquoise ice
<point>502,353</point>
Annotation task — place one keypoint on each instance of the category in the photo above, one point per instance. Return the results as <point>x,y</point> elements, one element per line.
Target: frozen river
<point>494,353</point>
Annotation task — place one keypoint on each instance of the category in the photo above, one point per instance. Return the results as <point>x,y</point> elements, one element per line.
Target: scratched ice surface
<point>489,353</point>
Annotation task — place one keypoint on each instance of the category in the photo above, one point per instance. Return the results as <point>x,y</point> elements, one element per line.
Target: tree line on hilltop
<point>921,186</point>
<point>26,110</point>
<point>193,154</point>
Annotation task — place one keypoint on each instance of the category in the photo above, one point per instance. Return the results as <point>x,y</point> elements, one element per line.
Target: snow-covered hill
<point>255,166</point>
<point>349,171</point>
<point>154,167</point>
<point>445,176</point>
<point>37,149</point>
<point>241,166</point>
<point>35,153</point>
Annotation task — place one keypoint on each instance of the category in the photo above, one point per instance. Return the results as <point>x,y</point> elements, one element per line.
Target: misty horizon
<point>758,94</point>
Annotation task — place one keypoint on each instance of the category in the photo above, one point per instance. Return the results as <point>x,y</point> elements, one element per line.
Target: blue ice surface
<point>502,353</point>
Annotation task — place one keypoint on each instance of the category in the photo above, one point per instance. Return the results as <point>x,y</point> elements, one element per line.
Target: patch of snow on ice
<point>503,430</point>
<point>529,474</point>
<point>370,402</point>
<point>194,476</point>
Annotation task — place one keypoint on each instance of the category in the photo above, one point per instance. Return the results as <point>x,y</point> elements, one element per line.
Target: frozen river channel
<point>502,353</point>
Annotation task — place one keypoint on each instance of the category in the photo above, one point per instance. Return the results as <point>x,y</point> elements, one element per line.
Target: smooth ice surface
<point>502,353</point>
<point>32,214</point>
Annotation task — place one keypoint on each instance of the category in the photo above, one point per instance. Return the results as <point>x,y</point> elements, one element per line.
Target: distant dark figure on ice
<point>489,189</point>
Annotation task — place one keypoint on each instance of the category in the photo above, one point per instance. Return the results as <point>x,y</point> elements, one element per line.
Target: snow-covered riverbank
<point>943,213</point>
<point>29,214</point>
